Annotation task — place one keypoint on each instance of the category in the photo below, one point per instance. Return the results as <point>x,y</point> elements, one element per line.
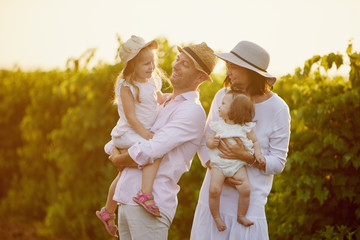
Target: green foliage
<point>321,178</point>
<point>55,173</point>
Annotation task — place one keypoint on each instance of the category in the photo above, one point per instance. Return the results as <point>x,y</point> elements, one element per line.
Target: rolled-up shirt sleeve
<point>185,124</point>
<point>278,142</point>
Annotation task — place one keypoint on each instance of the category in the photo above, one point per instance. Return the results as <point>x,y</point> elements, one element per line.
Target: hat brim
<point>197,66</point>
<point>229,57</point>
<point>152,43</point>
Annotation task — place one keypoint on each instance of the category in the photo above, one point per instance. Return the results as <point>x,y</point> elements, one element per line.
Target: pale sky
<point>45,33</point>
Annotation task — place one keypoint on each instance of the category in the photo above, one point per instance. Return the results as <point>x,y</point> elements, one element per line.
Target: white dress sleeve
<point>249,126</point>
<point>132,88</point>
<point>215,126</point>
<point>278,142</point>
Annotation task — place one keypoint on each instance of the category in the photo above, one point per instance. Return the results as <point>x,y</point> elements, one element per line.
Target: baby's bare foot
<point>244,221</point>
<point>220,224</point>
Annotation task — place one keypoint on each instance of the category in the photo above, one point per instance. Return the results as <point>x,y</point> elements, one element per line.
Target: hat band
<point>198,60</point>
<point>248,61</point>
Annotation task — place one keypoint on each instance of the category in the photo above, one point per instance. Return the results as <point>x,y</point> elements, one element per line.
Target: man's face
<point>184,73</point>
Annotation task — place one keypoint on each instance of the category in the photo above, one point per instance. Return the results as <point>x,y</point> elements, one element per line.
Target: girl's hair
<point>241,109</point>
<point>257,84</point>
<point>128,75</point>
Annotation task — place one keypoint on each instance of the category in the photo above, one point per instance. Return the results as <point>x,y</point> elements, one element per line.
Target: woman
<point>247,64</point>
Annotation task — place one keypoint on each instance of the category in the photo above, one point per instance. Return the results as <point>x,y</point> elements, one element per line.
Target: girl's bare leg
<point>244,197</point>
<point>148,177</point>
<point>216,183</point>
<point>110,203</point>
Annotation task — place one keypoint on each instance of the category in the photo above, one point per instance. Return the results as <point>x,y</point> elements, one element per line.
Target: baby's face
<point>225,106</point>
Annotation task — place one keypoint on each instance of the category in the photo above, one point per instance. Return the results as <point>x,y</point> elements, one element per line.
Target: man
<point>178,130</point>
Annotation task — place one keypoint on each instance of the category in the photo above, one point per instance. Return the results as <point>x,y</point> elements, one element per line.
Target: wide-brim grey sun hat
<point>251,56</point>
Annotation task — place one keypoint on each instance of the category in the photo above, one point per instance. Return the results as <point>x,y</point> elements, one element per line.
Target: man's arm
<point>185,125</point>
<point>121,159</point>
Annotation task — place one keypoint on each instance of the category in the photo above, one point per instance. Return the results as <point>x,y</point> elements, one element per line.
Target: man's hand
<point>121,159</point>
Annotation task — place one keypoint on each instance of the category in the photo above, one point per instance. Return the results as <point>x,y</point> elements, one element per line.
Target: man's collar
<point>190,95</point>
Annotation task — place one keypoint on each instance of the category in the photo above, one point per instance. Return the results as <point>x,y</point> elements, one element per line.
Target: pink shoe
<point>105,216</point>
<point>141,198</point>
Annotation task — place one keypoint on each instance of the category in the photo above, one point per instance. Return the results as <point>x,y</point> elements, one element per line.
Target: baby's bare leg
<point>244,196</point>
<point>216,182</point>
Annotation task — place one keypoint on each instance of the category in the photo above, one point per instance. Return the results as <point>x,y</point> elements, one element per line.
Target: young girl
<point>138,96</point>
<point>236,111</point>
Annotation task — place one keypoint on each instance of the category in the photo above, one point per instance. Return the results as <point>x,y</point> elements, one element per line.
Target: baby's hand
<point>261,160</point>
<point>216,141</point>
<point>213,141</point>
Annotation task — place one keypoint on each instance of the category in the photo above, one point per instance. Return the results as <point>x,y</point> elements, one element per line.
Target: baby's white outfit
<point>123,135</point>
<point>224,130</point>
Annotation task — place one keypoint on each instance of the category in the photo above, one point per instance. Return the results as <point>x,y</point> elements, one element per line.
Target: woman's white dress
<point>272,129</point>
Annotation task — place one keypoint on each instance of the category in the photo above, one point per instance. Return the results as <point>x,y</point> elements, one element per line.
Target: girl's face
<point>225,106</point>
<point>238,76</point>
<point>144,65</point>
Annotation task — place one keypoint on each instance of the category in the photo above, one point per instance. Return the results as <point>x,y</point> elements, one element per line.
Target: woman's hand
<point>236,151</point>
<point>233,181</point>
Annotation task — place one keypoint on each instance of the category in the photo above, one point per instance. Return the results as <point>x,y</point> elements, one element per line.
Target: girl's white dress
<point>224,130</point>
<point>272,130</point>
<point>123,136</point>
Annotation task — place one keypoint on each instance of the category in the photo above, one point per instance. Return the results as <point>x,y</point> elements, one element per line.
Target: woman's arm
<point>278,142</point>
<point>128,102</point>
